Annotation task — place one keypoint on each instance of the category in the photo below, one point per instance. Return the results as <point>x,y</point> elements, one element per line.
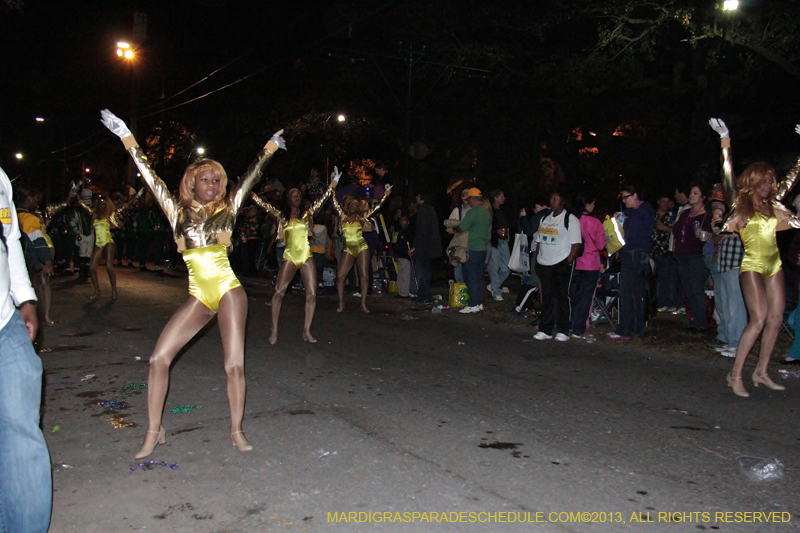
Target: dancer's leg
<point>345,264</point>
<point>231,318</point>
<point>776,301</point>
<point>110,250</point>
<point>184,324</point>
<point>755,298</point>
<point>96,254</point>
<point>285,275</point>
<point>364,257</point>
<point>308,273</point>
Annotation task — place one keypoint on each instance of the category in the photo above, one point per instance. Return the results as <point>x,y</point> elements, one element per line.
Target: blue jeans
<point>632,307</point>
<point>693,274</point>
<point>458,273</point>
<point>794,351</point>
<point>667,276</point>
<point>424,273</point>
<point>730,303</point>
<point>498,266</point>
<point>473,276</point>
<point>26,487</point>
<point>581,291</point>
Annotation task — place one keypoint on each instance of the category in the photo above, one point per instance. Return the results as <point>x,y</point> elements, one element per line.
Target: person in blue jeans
<point>25,485</point>
<point>634,260</point>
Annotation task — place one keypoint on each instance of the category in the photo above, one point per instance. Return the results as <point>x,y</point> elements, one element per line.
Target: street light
<point>18,155</point>
<point>124,50</point>
<point>200,151</point>
<point>730,5</point>
<point>341,118</point>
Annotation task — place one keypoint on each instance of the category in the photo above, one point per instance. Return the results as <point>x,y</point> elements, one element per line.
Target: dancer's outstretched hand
<point>114,123</point>
<point>797,129</point>
<point>720,127</point>
<point>277,138</point>
<point>387,188</point>
<point>75,188</point>
<point>335,175</point>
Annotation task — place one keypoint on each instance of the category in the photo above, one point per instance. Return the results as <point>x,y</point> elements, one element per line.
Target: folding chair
<point>605,304</point>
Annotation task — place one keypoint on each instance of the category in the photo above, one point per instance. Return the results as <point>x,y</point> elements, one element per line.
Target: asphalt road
<point>396,415</point>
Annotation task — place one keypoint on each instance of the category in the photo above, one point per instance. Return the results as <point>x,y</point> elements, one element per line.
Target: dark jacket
<point>427,238</point>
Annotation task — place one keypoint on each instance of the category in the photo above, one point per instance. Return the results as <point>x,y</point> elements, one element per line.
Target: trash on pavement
<point>149,464</point>
<point>761,468</point>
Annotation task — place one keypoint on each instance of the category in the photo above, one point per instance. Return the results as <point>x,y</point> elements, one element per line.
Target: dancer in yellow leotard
<point>354,222</point>
<point>294,227</point>
<point>104,213</point>
<point>202,220</point>
<point>757,215</point>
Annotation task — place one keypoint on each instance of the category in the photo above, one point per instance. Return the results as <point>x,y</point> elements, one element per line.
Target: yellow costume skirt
<point>102,233</point>
<point>297,249</point>
<point>210,274</point>
<point>354,242</point>
<point>760,246</point>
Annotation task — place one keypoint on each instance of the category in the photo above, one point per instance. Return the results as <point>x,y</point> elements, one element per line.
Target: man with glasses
<point>634,260</point>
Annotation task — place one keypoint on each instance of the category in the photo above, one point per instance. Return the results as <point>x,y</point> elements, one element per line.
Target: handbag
<point>615,236</point>
<point>457,250</point>
<point>520,260</point>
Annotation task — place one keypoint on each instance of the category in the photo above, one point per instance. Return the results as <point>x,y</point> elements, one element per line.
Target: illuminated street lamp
<point>18,155</point>
<point>200,151</point>
<point>730,5</point>
<point>341,118</point>
<point>124,50</point>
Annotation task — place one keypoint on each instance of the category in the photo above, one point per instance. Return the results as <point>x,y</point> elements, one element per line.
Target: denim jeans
<point>555,296</point>
<point>693,274</point>
<point>26,487</point>
<point>498,266</point>
<point>794,351</point>
<point>473,276</point>
<point>711,265</point>
<point>458,273</point>
<point>581,291</point>
<point>730,302</point>
<point>632,308</point>
<point>667,275</point>
<point>424,274</point>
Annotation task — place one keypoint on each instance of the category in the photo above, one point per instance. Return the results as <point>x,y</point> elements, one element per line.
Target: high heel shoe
<point>242,446</point>
<point>736,384</point>
<point>766,381</point>
<point>147,449</point>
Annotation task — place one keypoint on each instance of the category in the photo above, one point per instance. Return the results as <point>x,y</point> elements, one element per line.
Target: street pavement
<point>403,419</point>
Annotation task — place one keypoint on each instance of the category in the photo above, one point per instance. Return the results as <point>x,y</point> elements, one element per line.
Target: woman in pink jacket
<point>587,267</point>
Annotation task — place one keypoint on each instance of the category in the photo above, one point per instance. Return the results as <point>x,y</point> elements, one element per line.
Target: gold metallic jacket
<point>307,217</point>
<point>198,226</point>
<point>786,219</point>
<point>363,218</point>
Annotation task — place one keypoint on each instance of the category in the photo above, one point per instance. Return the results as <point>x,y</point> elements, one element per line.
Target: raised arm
<point>240,191</point>
<point>728,178</point>
<point>158,188</point>
<point>269,208</point>
<point>375,209</point>
<point>790,179</point>
<point>316,206</point>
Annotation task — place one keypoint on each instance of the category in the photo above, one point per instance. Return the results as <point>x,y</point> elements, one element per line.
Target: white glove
<point>278,139</point>
<point>140,193</point>
<point>75,188</point>
<point>335,175</point>
<point>387,188</point>
<point>797,129</point>
<point>114,123</point>
<point>720,127</point>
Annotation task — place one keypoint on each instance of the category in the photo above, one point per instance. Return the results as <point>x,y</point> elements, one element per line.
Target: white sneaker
<point>542,336</point>
<point>498,298</point>
<point>561,337</point>
<point>472,309</point>
<point>505,290</point>
<point>730,352</point>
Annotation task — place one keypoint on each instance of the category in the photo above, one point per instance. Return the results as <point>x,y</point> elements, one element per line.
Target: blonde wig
<point>750,180</point>
<point>186,191</point>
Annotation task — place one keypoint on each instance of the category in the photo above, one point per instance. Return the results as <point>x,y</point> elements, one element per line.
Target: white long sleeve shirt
<point>14,280</point>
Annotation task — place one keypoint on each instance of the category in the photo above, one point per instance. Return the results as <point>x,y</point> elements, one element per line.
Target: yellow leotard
<point>210,274</point>
<point>354,238</point>
<point>760,246</point>
<point>298,251</point>
<point>102,233</point>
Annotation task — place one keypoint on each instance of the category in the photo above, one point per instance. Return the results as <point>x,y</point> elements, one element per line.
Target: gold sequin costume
<point>353,231</point>
<point>760,246</point>
<point>102,232</point>
<point>758,233</point>
<point>295,232</point>
<point>203,232</point>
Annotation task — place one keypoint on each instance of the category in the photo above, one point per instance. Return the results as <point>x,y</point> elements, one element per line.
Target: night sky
<point>535,84</point>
